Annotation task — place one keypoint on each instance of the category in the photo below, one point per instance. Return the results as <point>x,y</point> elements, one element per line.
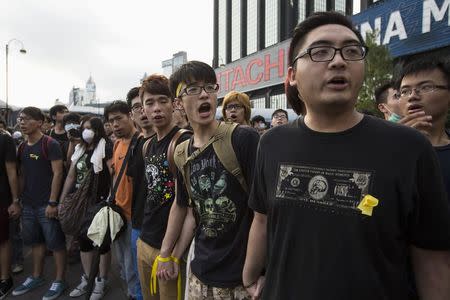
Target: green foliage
<point>379,68</point>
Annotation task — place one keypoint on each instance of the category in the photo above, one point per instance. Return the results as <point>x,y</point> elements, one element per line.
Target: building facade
<point>251,37</point>
<point>172,64</point>
<point>82,97</point>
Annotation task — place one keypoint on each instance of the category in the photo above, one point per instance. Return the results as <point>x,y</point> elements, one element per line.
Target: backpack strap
<point>145,147</point>
<point>20,150</point>
<point>171,150</point>
<point>45,145</point>
<point>180,158</point>
<point>223,148</point>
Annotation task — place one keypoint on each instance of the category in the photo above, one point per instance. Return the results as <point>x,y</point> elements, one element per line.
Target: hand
<point>419,120</point>
<point>167,270</point>
<point>255,290</point>
<point>51,212</point>
<point>14,210</point>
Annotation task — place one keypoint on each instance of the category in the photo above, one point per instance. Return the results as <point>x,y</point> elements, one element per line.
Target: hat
<point>242,98</point>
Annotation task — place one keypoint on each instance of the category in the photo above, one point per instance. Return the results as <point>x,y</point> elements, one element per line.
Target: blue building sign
<point>408,27</point>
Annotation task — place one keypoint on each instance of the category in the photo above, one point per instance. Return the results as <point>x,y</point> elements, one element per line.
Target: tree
<point>379,68</point>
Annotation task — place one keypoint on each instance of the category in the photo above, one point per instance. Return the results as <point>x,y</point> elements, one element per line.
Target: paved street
<point>115,290</point>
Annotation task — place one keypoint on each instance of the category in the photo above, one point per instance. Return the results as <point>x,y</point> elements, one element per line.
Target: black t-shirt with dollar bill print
<point>320,245</point>
<point>160,189</point>
<point>221,208</point>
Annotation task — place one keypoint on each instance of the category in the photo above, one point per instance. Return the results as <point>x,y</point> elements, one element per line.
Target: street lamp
<point>23,51</point>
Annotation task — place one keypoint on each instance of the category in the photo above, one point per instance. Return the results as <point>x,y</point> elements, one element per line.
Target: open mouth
<point>338,82</point>
<point>158,117</point>
<point>415,106</point>
<point>233,117</point>
<point>204,108</point>
<point>144,118</point>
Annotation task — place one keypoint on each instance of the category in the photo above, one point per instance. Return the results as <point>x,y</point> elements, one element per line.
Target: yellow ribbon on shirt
<point>153,277</point>
<point>367,204</point>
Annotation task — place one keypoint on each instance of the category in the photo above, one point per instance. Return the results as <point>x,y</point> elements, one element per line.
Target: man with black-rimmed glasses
<point>341,198</point>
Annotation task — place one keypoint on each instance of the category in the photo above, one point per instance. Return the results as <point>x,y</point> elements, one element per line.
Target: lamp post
<point>23,51</point>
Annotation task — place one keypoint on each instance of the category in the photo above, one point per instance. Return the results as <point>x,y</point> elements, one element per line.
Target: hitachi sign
<point>406,27</point>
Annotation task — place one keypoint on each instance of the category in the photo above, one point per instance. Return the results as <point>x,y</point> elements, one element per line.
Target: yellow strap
<point>153,277</point>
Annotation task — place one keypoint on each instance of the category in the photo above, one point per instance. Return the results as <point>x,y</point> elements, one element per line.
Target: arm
<point>68,184</point>
<point>187,233</point>
<point>432,273</point>
<point>11,171</point>
<point>57,168</point>
<point>256,256</point>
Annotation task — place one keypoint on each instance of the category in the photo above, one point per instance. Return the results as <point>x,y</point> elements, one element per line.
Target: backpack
<point>223,147</point>
<point>170,149</point>
<point>46,140</point>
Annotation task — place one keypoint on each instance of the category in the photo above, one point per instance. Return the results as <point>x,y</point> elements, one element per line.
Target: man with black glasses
<point>279,117</point>
<point>337,208</point>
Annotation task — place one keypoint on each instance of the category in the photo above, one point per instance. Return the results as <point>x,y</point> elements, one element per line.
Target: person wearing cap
<point>236,108</point>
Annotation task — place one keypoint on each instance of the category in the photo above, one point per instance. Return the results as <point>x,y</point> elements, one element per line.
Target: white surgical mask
<point>88,135</point>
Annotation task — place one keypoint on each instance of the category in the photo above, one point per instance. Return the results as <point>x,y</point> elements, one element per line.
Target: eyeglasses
<point>209,88</point>
<point>422,89</point>
<point>282,116</point>
<point>136,108</point>
<point>234,106</point>
<point>23,119</point>
<point>327,53</point>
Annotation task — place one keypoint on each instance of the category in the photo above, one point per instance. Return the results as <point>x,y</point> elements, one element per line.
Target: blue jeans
<point>135,233</point>
<point>122,249</point>
<point>37,229</point>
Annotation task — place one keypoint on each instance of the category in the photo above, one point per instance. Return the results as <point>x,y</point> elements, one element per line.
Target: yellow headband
<point>178,89</point>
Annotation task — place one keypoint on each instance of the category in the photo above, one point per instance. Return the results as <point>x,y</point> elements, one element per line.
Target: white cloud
<point>115,41</point>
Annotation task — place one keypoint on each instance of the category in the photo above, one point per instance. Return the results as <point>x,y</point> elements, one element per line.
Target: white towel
<point>97,230</point>
<point>96,158</point>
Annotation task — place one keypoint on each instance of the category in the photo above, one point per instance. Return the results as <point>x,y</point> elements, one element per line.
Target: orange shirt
<point>124,193</point>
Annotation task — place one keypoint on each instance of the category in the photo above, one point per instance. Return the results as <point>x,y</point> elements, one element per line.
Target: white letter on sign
<point>430,8</point>
<point>395,27</point>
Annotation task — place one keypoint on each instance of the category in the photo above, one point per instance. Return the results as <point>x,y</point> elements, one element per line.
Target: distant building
<point>171,65</point>
<point>82,97</point>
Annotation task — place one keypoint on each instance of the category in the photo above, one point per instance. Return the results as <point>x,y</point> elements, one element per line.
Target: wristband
<point>53,203</point>
<point>153,277</point>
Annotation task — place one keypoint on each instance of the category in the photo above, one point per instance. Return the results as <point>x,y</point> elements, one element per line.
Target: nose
<point>414,96</point>
<point>338,61</point>
<point>203,94</point>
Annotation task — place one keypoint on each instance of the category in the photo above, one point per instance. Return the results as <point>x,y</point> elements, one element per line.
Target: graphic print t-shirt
<point>160,189</point>
<point>83,166</point>
<point>320,245</point>
<point>7,154</point>
<point>220,205</point>
<point>37,172</point>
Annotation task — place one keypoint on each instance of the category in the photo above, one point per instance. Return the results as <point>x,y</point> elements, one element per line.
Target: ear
<point>291,76</point>
<point>382,108</point>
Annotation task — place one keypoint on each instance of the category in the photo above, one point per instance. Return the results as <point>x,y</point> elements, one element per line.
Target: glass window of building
<point>339,5</point>
<point>272,22</point>
<point>235,29</point>
<point>252,26</point>
<point>301,10</point>
<point>222,31</point>
<point>259,102</point>
<point>320,5</point>
<point>278,101</point>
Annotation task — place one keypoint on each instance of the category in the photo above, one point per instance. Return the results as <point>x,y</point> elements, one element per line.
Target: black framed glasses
<point>327,53</point>
<point>136,107</point>
<point>421,89</point>
<point>233,106</point>
<point>209,88</point>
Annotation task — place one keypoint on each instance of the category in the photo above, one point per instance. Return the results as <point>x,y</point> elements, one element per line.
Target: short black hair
<point>117,106</point>
<point>71,118</point>
<point>299,34</point>
<point>57,109</point>
<point>280,110</point>
<point>381,92</point>
<point>191,72</point>
<point>33,112</point>
<point>425,64</point>
<point>3,121</point>
<point>133,93</point>
<point>258,118</point>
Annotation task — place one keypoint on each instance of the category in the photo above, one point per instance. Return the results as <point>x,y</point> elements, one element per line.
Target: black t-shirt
<point>63,141</point>
<point>37,172</point>
<point>136,171</point>
<point>319,244</point>
<point>7,154</point>
<point>160,189</point>
<point>443,153</point>
<point>104,177</point>
<point>220,205</point>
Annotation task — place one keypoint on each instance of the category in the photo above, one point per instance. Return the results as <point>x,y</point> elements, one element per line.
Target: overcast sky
<point>114,41</point>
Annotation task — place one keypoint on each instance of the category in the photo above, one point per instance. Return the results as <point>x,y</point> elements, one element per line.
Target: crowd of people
<point>333,205</point>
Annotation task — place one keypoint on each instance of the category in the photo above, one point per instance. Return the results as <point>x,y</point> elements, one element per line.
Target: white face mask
<point>88,135</point>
